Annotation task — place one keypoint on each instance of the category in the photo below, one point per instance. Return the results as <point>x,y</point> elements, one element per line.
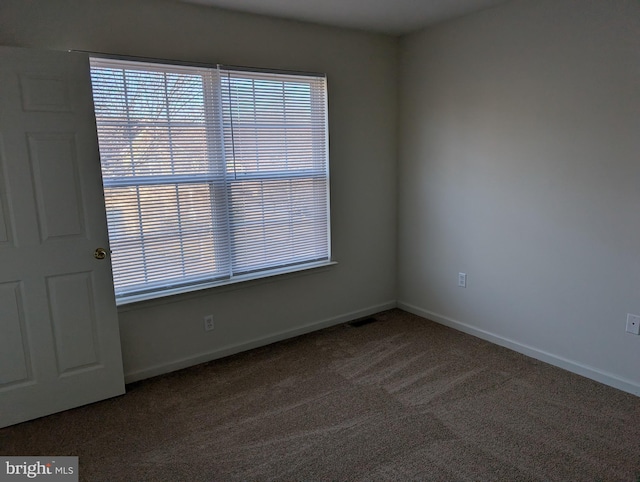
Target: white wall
<point>361,69</point>
<point>520,165</point>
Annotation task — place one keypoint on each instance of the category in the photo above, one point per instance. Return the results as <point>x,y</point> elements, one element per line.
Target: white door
<point>59,337</point>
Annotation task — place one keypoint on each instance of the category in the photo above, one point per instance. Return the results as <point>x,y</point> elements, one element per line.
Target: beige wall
<point>519,165</point>
<point>361,70</point>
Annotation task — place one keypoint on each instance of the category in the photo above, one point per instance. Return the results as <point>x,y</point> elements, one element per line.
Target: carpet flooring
<point>401,398</point>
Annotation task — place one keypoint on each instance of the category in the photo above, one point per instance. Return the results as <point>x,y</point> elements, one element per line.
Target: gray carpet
<point>398,399</point>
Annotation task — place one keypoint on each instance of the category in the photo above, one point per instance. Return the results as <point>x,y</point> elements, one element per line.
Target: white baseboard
<point>254,343</point>
<point>561,362</point>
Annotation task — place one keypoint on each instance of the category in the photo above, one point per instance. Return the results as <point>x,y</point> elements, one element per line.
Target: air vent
<point>361,322</point>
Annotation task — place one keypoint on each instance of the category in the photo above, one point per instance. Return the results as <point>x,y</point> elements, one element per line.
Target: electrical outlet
<point>633,324</point>
<point>462,280</point>
<point>208,323</point>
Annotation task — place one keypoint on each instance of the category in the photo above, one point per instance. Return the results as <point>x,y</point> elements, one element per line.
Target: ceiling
<point>395,17</point>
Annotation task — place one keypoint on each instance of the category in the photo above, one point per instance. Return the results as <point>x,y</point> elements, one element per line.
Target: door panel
<point>59,336</point>
<point>44,92</point>
<point>56,184</point>
<point>5,226</point>
<point>74,327</point>
<point>14,352</point>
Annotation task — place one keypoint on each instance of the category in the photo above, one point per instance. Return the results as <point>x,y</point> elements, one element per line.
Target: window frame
<point>165,288</point>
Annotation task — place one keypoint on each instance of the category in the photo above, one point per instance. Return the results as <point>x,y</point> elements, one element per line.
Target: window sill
<point>240,282</point>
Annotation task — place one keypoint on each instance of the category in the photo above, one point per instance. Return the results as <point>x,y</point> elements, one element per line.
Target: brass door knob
<point>100,253</point>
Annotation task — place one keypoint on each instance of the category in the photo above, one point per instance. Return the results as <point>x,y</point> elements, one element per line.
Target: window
<point>211,175</point>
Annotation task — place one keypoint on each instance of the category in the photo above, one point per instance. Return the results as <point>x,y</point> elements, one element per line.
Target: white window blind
<point>210,174</point>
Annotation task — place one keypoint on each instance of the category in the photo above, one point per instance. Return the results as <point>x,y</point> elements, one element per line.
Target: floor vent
<point>361,322</point>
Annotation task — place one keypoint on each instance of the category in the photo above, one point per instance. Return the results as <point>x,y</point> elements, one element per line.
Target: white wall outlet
<point>208,323</point>
<point>462,280</point>
<point>633,324</point>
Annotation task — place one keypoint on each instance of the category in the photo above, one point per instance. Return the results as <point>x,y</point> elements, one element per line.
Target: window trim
<point>234,283</point>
